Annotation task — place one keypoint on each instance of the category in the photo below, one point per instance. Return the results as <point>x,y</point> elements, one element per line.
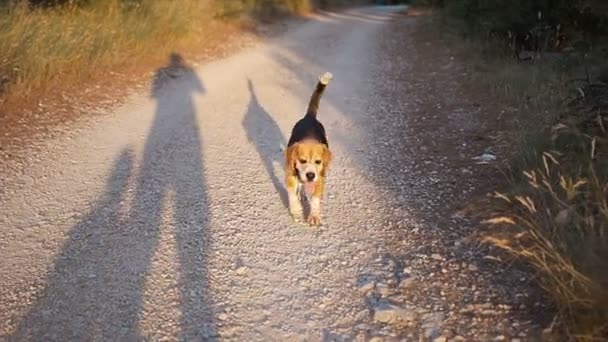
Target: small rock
<point>435,318</point>
<point>367,287</point>
<point>436,256</point>
<point>431,334</point>
<point>440,339</point>
<point>485,158</point>
<point>431,323</point>
<point>389,313</point>
<point>376,339</point>
<point>241,270</point>
<point>407,282</point>
<point>363,327</point>
<point>383,290</point>
<point>473,268</point>
<point>459,338</point>
<point>448,334</point>
<point>499,338</point>
<point>222,317</point>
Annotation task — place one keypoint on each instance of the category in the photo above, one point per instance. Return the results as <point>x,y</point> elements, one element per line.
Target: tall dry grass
<point>48,47</point>
<point>553,211</point>
<point>38,46</point>
<point>557,220</point>
<point>264,8</point>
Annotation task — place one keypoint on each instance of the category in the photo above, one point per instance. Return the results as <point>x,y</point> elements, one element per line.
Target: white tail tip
<point>325,78</point>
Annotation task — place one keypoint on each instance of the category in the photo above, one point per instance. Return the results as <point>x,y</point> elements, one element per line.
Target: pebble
<point>431,323</point>
<point>407,282</point>
<point>367,287</point>
<point>383,290</point>
<point>473,268</point>
<point>436,256</point>
<point>363,326</point>
<point>389,313</point>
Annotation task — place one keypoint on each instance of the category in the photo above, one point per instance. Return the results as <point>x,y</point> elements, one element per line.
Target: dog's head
<point>308,160</point>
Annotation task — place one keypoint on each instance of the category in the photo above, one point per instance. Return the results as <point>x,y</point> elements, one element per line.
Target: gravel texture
<point>165,220</point>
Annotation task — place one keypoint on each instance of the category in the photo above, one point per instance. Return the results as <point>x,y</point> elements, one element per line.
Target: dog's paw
<point>325,78</point>
<point>314,220</point>
<point>296,212</point>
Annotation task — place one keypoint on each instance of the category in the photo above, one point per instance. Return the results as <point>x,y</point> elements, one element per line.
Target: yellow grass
<point>553,214</point>
<point>560,221</point>
<point>42,48</point>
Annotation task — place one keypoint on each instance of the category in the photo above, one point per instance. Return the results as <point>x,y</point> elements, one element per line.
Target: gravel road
<point>165,219</point>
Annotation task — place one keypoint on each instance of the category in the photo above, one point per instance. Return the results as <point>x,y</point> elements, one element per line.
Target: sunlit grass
<point>41,48</point>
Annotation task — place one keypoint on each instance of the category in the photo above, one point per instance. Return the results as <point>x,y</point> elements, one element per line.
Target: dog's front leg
<point>314,218</point>
<point>295,206</point>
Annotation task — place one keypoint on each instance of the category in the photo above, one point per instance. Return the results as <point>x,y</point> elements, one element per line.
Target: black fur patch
<point>308,128</point>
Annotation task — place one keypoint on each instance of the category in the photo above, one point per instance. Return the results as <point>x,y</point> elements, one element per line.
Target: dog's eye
<point>318,162</point>
<point>302,161</point>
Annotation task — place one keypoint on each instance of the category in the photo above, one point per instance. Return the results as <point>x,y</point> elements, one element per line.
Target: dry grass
<point>559,224</point>
<point>539,86</point>
<point>263,9</point>
<point>40,47</point>
<point>557,199</point>
<point>556,203</point>
<point>553,212</point>
<point>46,48</point>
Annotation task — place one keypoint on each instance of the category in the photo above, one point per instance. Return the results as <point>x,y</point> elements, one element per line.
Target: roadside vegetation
<point>46,44</point>
<point>548,62</point>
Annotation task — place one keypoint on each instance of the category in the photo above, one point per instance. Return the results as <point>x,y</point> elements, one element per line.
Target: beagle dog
<point>307,159</point>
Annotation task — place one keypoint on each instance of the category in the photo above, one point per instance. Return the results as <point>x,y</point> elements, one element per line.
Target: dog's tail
<point>313,105</point>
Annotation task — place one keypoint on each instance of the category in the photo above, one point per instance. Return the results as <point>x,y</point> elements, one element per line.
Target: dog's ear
<point>291,157</point>
<point>327,156</point>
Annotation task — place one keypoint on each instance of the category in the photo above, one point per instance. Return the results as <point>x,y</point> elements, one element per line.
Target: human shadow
<point>82,298</point>
<point>96,288</point>
<point>265,134</point>
<point>172,165</point>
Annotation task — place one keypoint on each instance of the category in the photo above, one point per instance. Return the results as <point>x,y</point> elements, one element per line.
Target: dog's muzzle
<point>310,176</point>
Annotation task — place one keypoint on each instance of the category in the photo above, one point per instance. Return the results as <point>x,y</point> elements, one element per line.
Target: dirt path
<point>164,220</point>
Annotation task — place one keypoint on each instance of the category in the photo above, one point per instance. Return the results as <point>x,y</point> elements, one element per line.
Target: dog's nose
<point>310,176</point>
